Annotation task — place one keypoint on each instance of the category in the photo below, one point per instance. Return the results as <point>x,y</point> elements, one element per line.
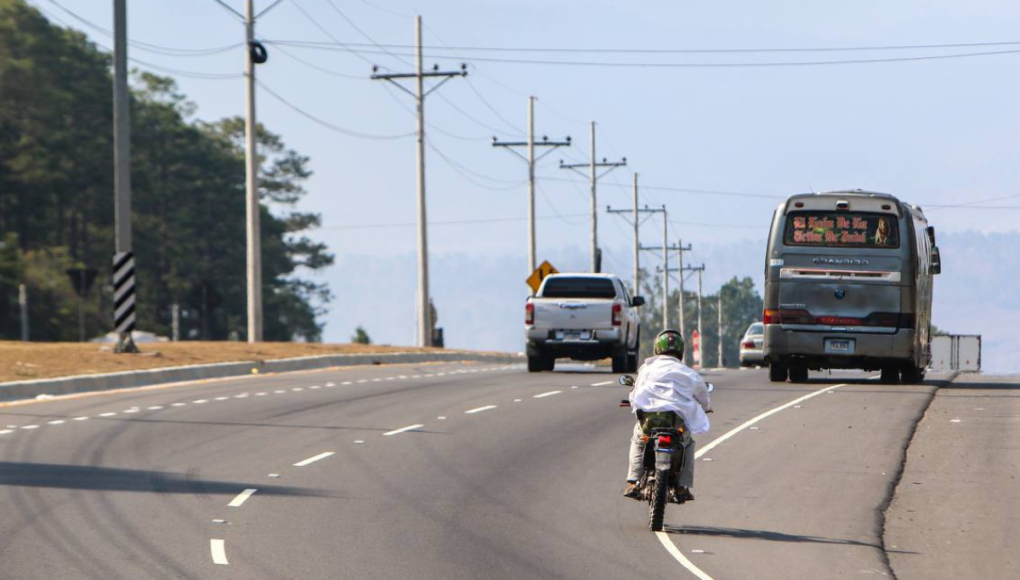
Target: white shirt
<point>666,384</point>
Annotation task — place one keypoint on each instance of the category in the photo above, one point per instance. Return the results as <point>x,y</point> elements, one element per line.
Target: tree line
<point>188,195</point>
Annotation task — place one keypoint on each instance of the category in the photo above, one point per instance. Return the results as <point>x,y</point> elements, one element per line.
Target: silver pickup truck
<point>583,317</point>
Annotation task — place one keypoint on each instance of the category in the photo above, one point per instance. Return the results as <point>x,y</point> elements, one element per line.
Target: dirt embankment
<point>21,361</point>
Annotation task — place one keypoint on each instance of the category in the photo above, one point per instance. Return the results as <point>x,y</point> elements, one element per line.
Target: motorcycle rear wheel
<point>657,500</point>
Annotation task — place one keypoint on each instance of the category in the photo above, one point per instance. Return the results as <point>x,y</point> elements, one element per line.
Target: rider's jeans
<point>637,452</point>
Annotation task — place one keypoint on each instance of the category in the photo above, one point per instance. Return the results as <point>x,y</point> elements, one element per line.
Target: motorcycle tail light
<point>665,440</point>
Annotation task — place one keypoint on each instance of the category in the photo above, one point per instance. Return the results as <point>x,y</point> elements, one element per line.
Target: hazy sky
<point>932,131</point>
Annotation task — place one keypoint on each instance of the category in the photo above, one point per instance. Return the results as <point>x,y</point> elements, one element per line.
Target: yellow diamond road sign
<point>536,277</point>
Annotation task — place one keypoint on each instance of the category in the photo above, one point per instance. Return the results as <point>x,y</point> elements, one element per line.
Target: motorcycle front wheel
<point>657,500</point>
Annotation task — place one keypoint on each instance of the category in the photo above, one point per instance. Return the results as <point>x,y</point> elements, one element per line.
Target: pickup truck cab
<point>583,317</point>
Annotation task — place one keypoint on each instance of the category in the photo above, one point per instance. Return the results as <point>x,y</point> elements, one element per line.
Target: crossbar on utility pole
<point>635,221</point>
<point>424,304</point>
<point>593,178</point>
<point>530,159</point>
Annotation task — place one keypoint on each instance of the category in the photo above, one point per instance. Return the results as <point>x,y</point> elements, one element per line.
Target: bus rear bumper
<point>814,348</point>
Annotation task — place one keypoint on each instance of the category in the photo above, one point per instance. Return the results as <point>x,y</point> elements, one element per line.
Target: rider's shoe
<point>632,491</point>
<point>683,494</point>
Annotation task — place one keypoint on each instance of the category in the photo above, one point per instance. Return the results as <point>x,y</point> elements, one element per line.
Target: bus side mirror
<point>936,261</point>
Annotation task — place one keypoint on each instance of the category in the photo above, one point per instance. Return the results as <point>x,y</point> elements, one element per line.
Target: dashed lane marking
<point>56,422</point>
<point>404,430</point>
<point>242,497</point>
<point>479,409</point>
<point>313,459</point>
<point>549,394</point>
<point>219,551</point>
<point>602,384</point>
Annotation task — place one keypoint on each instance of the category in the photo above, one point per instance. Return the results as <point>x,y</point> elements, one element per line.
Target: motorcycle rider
<point>667,393</point>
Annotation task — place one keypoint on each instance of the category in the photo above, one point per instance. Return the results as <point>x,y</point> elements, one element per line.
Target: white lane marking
<point>954,420</point>
<point>315,387</point>
<point>178,404</point>
<point>132,410</point>
<point>404,429</point>
<point>57,422</point>
<point>416,377</point>
<point>81,418</point>
<point>222,398</point>
<point>764,415</point>
<point>479,409</point>
<point>363,381</point>
<point>440,374</point>
<point>517,400</point>
<point>346,383</point>
<point>389,378</point>
<point>441,418</point>
<point>242,497</point>
<point>241,396</point>
<point>273,475</point>
<point>602,384</point>
<point>219,552</point>
<point>359,441</point>
<point>549,394</point>
<point>6,431</point>
<point>30,427</point>
<point>664,537</point>
<point>107,414</point>
<point>155,407</point>
<point>574,387</point>
<point>279,392</point>
<point>260,394</point>
<point>678,555</point>
<point>402,377</point>
<point>313,459</point>
<point>200,401</point>
<point>298,389</point>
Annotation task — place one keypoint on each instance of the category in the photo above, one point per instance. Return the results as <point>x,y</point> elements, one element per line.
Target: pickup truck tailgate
<point>573,314</point>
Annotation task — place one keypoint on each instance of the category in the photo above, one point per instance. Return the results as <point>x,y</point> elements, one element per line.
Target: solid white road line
<point>764,415</point>
<point>241,498</point>
<point>664,537</point>
<point>219,552</point>
<point>602,384</point>
<point>479,409</point>
<point>549,394</point>
<point>404,429</point>
<point>676,553</point>
<point>6,431</point>
<point>322,455</point>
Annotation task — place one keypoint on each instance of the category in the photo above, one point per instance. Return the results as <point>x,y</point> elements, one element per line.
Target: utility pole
<point>252,211</point>
<point>636,222</point>
<point>680,270</point>
<point>701,335</point>
<point>593,179</point>
<point>719,308</point>
<point>424,304</point>
<point>255,53</point>
<point>531,159</point>
<point>123,259</point>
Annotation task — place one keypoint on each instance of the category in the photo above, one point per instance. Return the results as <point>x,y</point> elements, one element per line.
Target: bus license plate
<point>839,346</point>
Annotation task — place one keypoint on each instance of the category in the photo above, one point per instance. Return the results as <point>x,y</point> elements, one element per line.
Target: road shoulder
<point>954,514</point>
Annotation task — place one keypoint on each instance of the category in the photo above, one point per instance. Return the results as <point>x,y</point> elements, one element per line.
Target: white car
<point>584,317</point>
<point>751,353</point>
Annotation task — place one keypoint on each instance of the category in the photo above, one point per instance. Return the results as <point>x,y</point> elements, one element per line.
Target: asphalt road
<point>499,474</point>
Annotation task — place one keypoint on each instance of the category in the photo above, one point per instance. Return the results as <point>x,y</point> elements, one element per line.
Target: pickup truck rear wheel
<point>536,364</point>
<point>778,372</point>
<point>620,364</point>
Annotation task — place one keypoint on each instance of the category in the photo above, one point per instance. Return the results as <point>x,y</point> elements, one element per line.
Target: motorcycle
<point>664,457</point>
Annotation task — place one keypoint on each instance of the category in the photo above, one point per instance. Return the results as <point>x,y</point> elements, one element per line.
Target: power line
<point>362,32</point>
<point>685,190</point>
<point>653,65</point>
<point>443,222</point>
<point>327,124</point>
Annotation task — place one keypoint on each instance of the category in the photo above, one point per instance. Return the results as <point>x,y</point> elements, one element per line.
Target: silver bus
<point>848,285</point>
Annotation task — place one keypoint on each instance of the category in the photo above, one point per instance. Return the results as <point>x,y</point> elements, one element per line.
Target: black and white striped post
<point>124,300</point>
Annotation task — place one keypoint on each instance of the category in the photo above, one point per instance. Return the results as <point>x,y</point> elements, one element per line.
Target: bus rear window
<point>562,287</point>
<point>841,230</point>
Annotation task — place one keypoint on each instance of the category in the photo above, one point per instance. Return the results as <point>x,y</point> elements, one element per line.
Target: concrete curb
<point>19,390</point>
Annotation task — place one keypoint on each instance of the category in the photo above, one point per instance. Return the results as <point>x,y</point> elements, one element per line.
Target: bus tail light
<point>617,314</point>
<point>770,316</point>
<point>529,313</point>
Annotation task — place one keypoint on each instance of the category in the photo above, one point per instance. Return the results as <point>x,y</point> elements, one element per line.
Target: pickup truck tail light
<point>529,313</point>
<point>617,314</point>
<point>770,316</point>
